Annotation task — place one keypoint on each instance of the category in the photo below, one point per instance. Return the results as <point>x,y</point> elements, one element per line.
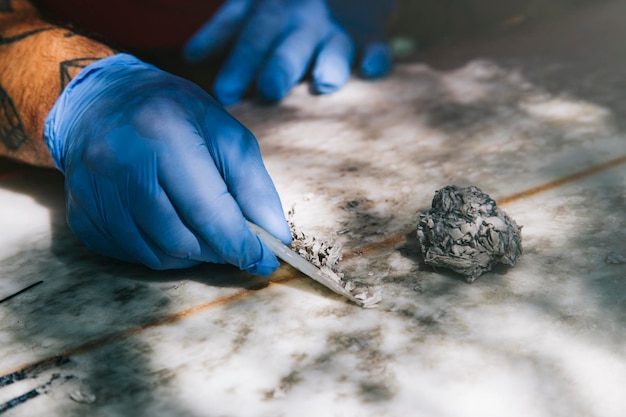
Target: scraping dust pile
<point>326,254</point>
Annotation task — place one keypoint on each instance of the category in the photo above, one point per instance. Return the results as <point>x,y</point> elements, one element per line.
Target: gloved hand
<point>157,173</point>
<point>275,42</point>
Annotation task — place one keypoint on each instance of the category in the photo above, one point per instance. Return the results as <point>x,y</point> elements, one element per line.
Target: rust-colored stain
<point>563,181</point>
<point>133,331</point>
<point>284,274</point>
<point>387,243</point>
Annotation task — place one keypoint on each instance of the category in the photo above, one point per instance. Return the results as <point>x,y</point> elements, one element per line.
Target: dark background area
<point>435,22</point>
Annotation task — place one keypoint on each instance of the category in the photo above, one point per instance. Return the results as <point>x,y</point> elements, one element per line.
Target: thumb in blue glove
<point>157,173</point>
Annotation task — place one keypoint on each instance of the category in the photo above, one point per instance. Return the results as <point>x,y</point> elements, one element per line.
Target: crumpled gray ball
<point>466,232</point>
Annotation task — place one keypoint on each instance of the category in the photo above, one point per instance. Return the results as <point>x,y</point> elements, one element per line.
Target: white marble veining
<point>545,338</point>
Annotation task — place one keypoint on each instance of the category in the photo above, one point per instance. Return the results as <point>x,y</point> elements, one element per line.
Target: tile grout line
<point>285,274</point>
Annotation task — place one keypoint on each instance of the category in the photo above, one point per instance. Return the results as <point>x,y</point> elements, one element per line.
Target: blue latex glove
<point>158,173</point>
<point>275,42</point>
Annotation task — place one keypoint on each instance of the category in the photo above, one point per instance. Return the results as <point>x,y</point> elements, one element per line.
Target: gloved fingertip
<point>330,79</point>
<point>325,88</point>
<point>376,61</point>
<point>273,85</point>
<point>283,233</point>
<point>287,238</point>
<point>193,52</point>
<point>227,93</point>
<point>266,265</point>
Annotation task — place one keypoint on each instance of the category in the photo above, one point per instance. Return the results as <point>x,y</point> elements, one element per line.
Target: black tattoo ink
<point>69,69</point>
<point>17,38</point>
<point>5,6</point>
<point>12,133</point>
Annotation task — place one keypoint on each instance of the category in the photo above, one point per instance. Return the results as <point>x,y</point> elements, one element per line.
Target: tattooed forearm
<point>37,61</point>
<point>70,68</point>
<point>11,129</point>
<point>17,38</point>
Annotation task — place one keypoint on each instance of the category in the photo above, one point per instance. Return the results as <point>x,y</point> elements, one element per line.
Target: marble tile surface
<point>534,118</point>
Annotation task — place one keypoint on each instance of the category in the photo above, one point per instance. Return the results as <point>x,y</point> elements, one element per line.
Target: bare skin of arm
<point>37,60</point>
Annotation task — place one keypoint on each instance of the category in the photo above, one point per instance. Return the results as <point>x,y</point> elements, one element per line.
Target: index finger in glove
<point>196,189</point>
<point>236,153</point>
<point>259,34</point>
<point>218,32</point>
<point>333,64</point>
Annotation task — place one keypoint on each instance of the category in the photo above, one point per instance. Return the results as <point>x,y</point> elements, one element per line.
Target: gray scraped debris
<point>326,254</point>
<point>321,253</point>
<point>466,232</point>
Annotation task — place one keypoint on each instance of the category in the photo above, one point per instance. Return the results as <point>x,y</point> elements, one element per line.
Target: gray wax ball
<point>466,232</point>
